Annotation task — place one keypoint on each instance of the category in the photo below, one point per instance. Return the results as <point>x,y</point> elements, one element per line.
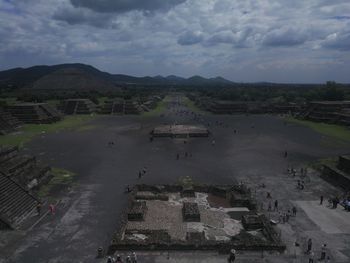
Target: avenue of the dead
<point>257,151</point>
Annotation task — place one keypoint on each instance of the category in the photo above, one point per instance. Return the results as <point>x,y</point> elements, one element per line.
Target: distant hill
<point>72,79</point>
<point>80,76</point>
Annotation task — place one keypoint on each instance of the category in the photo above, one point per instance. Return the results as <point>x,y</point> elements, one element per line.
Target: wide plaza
<point>248,149</point>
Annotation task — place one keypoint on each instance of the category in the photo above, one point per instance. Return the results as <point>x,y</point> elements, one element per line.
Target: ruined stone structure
<point>8,123</point>
<point>344,116</point>
<point>328,112</point>
<point>243,107</point>
<point>120,106</point>
<point>338,174</point>
<point>175,221</point>
<point>77,106</point>
<point>137,210</point>
<point>19,175</point>
<point>228,107</point>
<point>23,169</point>
<point>150,103</point>
<point>16,203</point>
<point>34,113</point>
<point>180,131</point>
<point>252,222</point>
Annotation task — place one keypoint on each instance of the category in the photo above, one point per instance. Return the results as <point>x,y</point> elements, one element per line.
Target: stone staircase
<point>37,113</point>
<point>15,203</point>
<point>8,123</point>
<point>23,169</point>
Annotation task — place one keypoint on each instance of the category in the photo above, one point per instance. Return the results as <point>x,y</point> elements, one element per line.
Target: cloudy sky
<point>242,40</point>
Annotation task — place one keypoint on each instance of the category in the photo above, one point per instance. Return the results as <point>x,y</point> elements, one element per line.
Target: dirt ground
<point>89,211</point>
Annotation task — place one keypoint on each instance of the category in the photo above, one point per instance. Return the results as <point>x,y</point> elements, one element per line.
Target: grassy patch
<point>326,161</point>
<point>53,102</point>
<point>190,104</point>
<point>61,178</point>
<point>186,181</point>
<point>335,131</point>
<point>101,100</point>
<point>29,131</point>
<point>161,106</point>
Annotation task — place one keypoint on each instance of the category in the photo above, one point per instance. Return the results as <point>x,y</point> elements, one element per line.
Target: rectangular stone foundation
<point>191,223</point>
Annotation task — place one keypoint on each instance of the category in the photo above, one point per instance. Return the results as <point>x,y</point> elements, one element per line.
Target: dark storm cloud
<point>122,6</point>
<point>284,38</point>
<point>190,38</point>
<point>74,16</point>
<point>240,40</point>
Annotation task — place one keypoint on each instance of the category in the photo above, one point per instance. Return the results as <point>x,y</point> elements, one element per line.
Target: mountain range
<point>85,77</point>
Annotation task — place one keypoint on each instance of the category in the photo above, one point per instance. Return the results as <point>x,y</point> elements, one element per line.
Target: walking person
<point>294,211</point>
<point>269,208</point>
<point>133,257</point>
<point>52,209</point>
<point>38,208</point>
<point>323,252</point>
<point>119,259</point>
<point>275,206</point>
<point>321,199</point>
<point>311,257</point>
<point>232,256</point>
<point>309,245</point>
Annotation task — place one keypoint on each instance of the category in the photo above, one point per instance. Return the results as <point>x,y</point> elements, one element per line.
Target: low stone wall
<point>336,177</point>
<point>344,163</point>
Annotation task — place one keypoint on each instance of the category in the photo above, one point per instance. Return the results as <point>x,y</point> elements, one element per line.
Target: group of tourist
<point>334,201</point>
<point>311,253</point>
<point>118,259</point>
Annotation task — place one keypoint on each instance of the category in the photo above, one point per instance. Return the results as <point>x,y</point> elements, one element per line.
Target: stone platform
<point>198,222</point>
<point>180,131</point>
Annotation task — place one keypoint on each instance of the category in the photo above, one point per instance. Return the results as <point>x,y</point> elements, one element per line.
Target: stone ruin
<point>190,212</point>
<point>20,176</point>
<point>37,113</point>
<point>338,174</point>
<point>161,217</point>
<point>181,131</point>
<point>23,169</point>
<point>120,106</point>
<point>242,107</point>
<point>8,123</point>
<point>137,211</point>
<point>337,112</point>
<point>77,106</point>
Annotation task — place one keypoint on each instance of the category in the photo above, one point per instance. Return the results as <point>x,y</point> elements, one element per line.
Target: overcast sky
<point>242,40</point>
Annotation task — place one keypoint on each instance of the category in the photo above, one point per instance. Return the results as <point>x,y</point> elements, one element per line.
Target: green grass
<point>101,100</point>
<point>186,181</point>
<point>326,161</point>
<point>61,178</point>
<point>335,131</point>
<point>190,104</point>
<point>53,102</point>
<point>29,131</point>
<point>161,106</point>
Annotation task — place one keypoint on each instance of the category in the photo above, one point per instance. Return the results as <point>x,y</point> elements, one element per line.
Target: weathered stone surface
<point>190,212</point>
